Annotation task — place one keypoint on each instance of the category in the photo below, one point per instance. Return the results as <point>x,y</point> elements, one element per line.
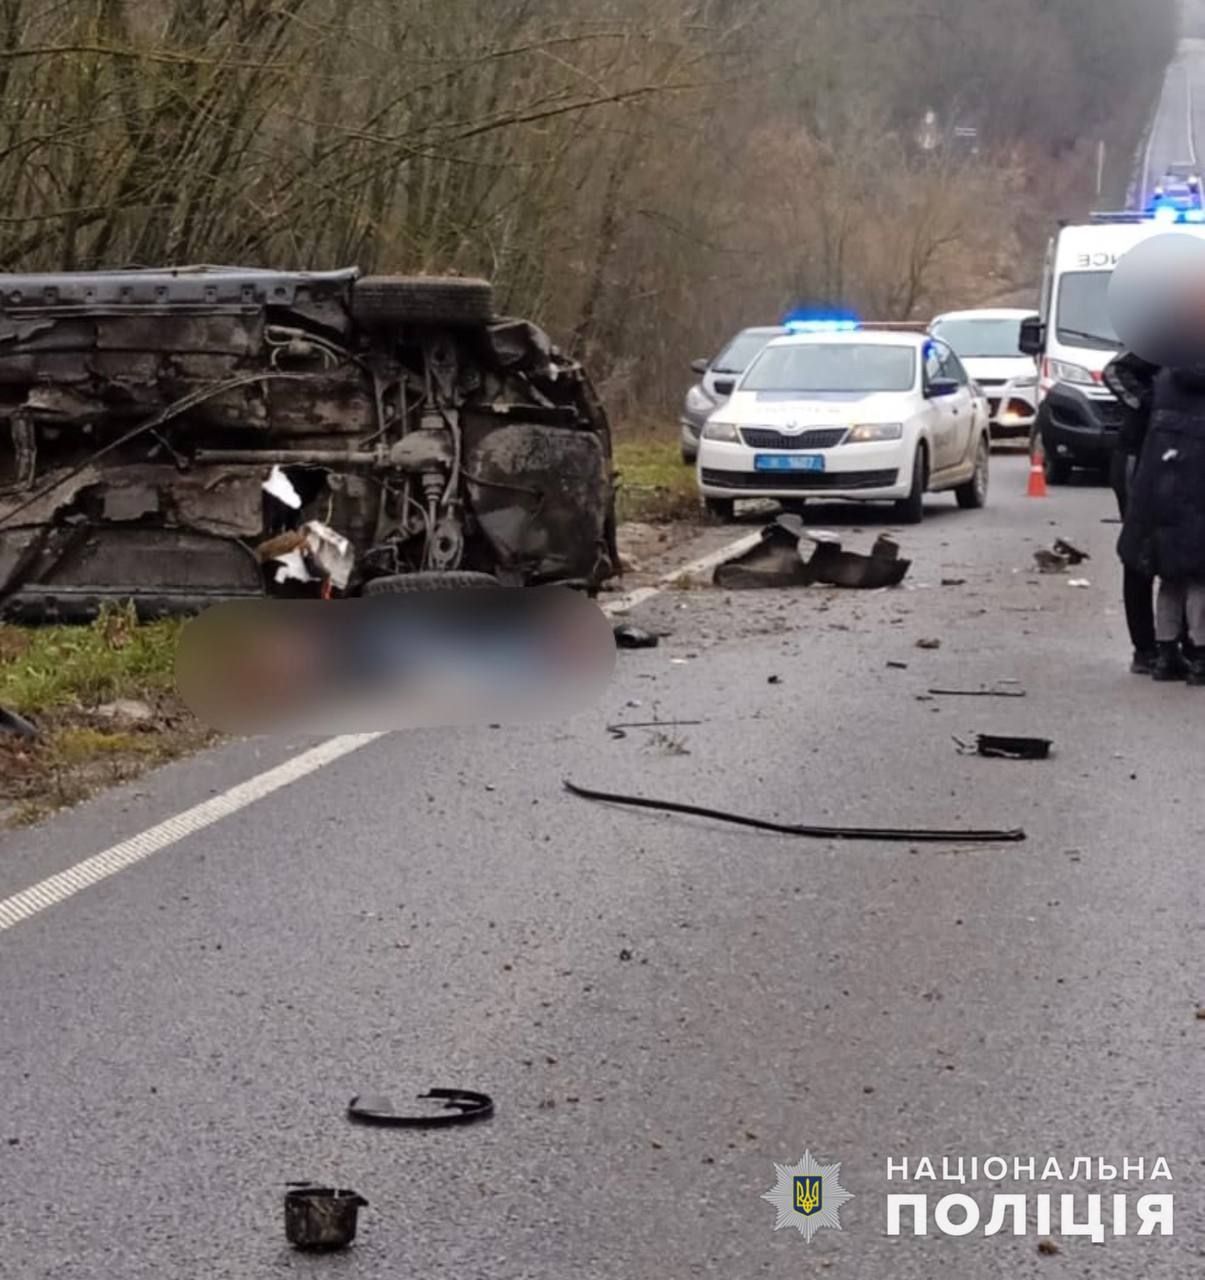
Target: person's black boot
<point>1169,664</point>
<point>1196,669</point>
<point>1144,662</point>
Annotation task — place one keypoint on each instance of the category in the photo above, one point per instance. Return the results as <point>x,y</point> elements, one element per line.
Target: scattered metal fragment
<point>774,680</point>
<point>997,747</point>
<point>1082,583</point>
<point>1072,554</point>
<point>994,691</point>
<point>928,644</point>
<point>459,1106</point>
<point>953,582</point>
<point>16,725</point>
<point>1060,557</point>
<point>789,556</point>
<point>630,637</point>
<point>892,834</point>
<point>321,1219</point>
<point>619,731</point>
<point>898,666</point>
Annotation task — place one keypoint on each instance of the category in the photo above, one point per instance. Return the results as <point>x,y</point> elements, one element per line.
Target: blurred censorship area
<point>379,663</point>
<point>1157,301</point>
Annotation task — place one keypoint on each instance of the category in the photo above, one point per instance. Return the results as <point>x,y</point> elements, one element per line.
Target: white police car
<point>838,411</point>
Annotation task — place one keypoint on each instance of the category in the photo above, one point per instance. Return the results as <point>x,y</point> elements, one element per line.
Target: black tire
<point>1058,470</point>
<point>434,300</point>
<point>720,508</point>
<point>689,456</point>
<point>401,584</point>
<point>911,510</point>
<point>972,496</point>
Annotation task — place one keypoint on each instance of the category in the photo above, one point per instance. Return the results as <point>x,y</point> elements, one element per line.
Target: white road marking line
<point>705,564</point>
<point>66,884</point>
<point>128,853</point>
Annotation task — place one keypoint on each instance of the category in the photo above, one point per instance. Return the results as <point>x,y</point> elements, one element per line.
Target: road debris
<point>1081,583</point>
<point>998,690</point>
<point>928,644</point>
<point>997,747</point>
<point>790,556</point>
<point>630,637</point>
<point>897,666</point>
<point>1060,557</point>
<point>458,1106</point>
<point>953,582</point>
<point>620,731</point>
<point>1048,1248</point>
<point>321,1219</point>
<point>896,835</point>
<point>16,725</point>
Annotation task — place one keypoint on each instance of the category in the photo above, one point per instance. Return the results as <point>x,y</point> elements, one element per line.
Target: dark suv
<point>181,436</point>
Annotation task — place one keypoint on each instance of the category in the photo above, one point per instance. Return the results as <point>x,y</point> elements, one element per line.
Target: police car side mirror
<point>1033,337</point>
<point>939,387</point>
<point>700,366</point>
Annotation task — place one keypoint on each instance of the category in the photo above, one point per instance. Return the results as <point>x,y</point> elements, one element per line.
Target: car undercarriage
<point>188,436</point>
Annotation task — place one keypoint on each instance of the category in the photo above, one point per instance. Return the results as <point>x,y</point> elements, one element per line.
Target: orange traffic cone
<point>1037,474</point>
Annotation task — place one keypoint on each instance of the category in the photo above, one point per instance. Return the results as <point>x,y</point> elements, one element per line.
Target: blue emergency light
<point>821,322</point>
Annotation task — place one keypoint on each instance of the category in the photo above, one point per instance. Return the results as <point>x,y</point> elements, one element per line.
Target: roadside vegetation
<point>103,701</point>
<point>642,176</point>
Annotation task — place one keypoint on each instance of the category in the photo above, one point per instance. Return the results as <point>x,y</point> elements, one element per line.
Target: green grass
<point>50,668</point>
<point>654,483</point>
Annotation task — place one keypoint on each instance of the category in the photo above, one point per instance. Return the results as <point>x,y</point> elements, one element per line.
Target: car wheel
<point>399,584</point>
<point>689,456</point>
<point>720,508</point>
<point>973,495</point>
<point>1058,470</point>
<point>434,300</point>
<point>911,510</point>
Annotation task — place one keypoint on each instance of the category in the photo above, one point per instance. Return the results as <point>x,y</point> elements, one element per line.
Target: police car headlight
<point>699,402</point>
<point>875,432</point>
<point>723,432</point>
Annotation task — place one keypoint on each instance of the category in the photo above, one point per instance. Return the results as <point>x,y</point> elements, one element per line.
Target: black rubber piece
<point>897,835</point>
<point>11,722</point>
<point>461,1106</point>
<point>996,747</point>
<point>400,584</point>
<point>434,300</point>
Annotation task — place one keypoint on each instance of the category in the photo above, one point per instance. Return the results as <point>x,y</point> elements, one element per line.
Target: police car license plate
<point>788,462</point>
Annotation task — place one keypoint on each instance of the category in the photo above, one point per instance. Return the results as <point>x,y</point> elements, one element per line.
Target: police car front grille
<point>812,481</point>
<point>821,438</point>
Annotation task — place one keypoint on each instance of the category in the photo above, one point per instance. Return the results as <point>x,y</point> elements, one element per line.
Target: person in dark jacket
<point>1131,379</point>
<point>1164,529</point>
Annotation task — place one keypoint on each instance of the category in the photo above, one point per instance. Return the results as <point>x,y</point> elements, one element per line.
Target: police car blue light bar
<point>821,322</point>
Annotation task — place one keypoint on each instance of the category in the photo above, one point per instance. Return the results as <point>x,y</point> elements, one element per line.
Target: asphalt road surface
<point>1178,132</point>
<point>663,1008</point>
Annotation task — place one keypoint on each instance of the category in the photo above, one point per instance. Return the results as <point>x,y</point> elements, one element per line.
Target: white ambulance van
<point>1073,338</point>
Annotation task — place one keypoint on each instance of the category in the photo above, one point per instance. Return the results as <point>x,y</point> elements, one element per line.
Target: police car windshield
<point>1083,311</point>
<point>740,353</point>
<point>837,367</point>
<point>984,339</point>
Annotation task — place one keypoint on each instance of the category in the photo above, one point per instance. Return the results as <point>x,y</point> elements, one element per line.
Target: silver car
<point>717,379</point>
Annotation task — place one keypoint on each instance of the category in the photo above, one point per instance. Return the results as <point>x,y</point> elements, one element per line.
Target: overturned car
<point>187,436</point>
